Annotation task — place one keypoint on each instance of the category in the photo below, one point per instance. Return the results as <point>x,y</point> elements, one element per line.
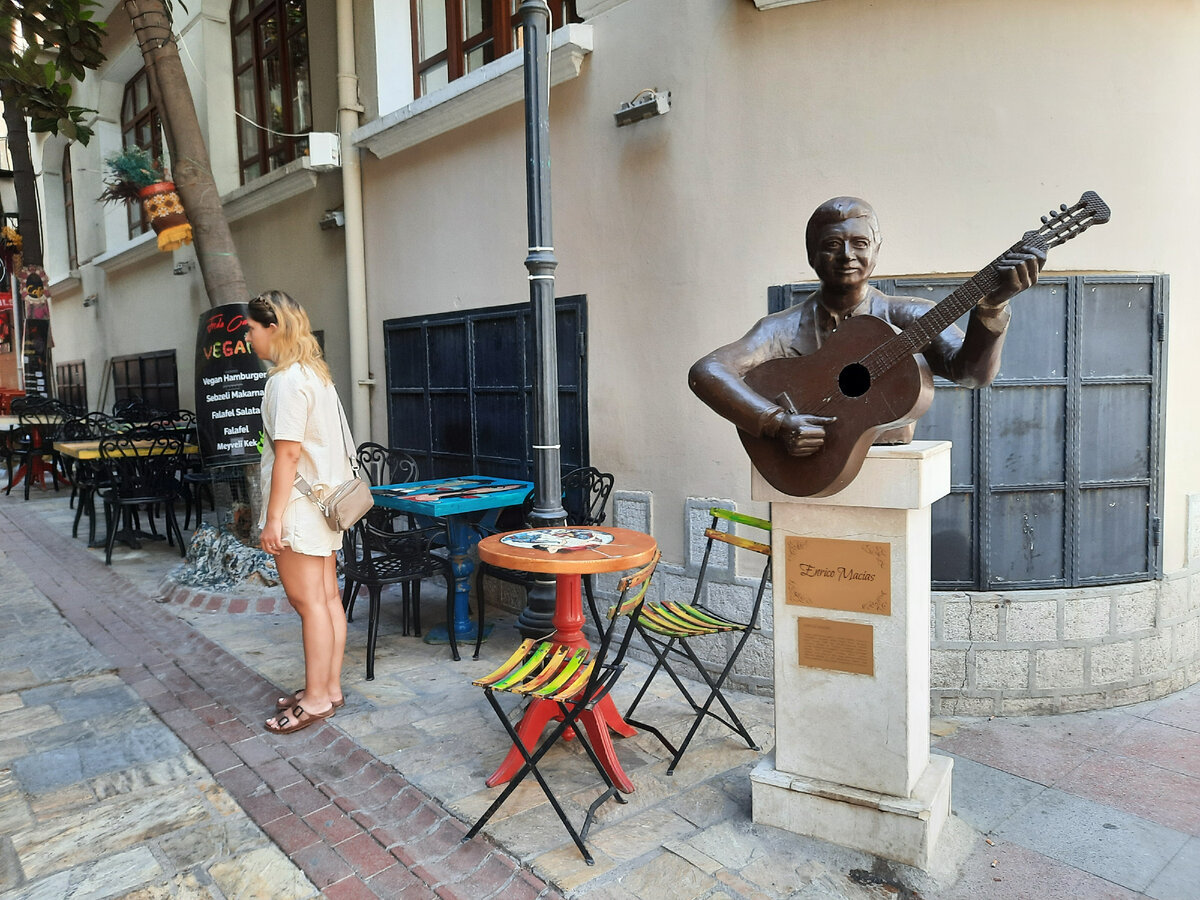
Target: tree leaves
<point>61,42</point>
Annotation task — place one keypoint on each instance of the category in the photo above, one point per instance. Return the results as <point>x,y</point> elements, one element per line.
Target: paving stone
<point>264,872</point>
<point>1180,878</point>
<point>643,833</point>
<point>1144,789</point>
<point>1103,841</point>
<point>985,797</point>
<point>669,877</point>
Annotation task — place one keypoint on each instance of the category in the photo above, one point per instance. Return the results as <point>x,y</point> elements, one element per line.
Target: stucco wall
<point>961,122</point>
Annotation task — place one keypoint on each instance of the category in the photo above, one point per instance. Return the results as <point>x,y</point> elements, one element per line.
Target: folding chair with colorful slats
<point>669,627</point>
<point>576,680</point>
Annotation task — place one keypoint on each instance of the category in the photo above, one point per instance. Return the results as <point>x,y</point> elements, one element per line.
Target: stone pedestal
<point>851,593</point>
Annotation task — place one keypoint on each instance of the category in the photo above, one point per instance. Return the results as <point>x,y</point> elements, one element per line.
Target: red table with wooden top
<point>627,550</point>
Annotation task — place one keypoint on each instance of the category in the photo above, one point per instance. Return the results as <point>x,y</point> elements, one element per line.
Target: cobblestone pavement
<point>133,764</point>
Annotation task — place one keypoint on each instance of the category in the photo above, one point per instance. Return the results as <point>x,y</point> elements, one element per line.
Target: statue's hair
<point>293,341</point>
<point>838,210</point>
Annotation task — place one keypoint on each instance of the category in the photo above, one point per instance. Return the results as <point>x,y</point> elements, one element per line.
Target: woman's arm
<point>283,473</point>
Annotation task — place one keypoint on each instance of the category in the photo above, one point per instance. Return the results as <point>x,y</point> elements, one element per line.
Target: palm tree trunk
<point>192,171</point>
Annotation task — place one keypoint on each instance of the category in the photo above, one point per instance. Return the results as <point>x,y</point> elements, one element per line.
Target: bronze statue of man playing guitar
<point>787,413</point>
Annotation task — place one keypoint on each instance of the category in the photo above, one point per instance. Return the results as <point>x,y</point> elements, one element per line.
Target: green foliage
<point>62,43</point>
<point>128,171</point>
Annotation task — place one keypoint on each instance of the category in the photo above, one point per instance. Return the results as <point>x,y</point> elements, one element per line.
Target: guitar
<point>868,374</point>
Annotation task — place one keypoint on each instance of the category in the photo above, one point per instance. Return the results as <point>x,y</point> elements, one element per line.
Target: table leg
<point>568,624</point>
<point>460,536</point>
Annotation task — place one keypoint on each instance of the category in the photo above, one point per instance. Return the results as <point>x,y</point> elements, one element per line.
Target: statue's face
<point>846,253</point>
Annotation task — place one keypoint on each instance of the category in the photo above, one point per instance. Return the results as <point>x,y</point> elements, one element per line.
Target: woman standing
<point>302,419</point>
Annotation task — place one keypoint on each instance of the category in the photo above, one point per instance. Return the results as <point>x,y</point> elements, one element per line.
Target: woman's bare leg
<point>305,580</point>
<point>337,620</point>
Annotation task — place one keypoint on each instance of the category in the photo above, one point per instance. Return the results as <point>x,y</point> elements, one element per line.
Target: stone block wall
<point>993,653</point>
<point>1055,651</point>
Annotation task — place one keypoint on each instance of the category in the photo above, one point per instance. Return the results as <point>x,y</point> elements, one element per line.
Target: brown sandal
<point>295,719</point>
<point>285,703</point>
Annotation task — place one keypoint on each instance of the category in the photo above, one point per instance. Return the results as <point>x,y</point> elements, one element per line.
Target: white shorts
<point>305,531</point>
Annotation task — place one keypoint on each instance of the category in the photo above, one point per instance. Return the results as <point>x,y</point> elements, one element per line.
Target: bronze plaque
<point>840,646</point>
<point>852,576</point>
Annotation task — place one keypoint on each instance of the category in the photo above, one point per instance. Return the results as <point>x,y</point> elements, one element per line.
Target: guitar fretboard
<point>920,334</point>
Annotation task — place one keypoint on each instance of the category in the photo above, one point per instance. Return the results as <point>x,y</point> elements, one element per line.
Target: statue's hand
<point>803,435</point>
<point>1016,272</point>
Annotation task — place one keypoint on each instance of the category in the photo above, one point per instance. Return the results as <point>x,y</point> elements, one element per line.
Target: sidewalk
<point>133,764</point>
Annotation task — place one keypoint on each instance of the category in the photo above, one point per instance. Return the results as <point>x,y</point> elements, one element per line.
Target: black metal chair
<point>86,475</point>
<point>669,628</point>
<point>585,493</point>
<point>40,419</point>
<point>136,411</point>
<point>381,465</point>
<point>377,557</point>
<point>142,469</point>
<point>576,681</point>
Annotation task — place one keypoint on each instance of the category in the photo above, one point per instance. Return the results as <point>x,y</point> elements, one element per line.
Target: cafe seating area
<point>139,466</point>
<point>135,458</point>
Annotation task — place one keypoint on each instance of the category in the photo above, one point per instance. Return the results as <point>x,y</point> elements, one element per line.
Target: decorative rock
<point>217,559</point>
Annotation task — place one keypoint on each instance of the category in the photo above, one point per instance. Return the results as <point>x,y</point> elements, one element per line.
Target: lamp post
<point>535,619</point>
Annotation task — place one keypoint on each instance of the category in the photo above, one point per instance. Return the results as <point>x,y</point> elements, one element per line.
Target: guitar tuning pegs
<point>1062,207</point>
<point>1045,219</point>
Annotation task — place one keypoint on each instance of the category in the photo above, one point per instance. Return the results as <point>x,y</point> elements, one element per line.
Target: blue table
<point>458,502</point>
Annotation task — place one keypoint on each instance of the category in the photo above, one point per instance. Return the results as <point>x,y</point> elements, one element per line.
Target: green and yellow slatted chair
<point>669,629</point>
<point>576,680</point>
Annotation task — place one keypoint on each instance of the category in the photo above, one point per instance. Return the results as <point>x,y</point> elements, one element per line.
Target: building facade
<point>1067,555</point>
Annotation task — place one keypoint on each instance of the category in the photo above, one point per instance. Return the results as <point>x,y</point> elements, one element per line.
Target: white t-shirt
<point>298,406</point>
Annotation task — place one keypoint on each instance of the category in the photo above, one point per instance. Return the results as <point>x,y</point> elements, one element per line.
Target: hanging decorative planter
<point>131,176</point>
<point>164,209</point>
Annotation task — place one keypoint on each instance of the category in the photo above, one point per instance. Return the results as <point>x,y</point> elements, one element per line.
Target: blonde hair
<point>293,341</point>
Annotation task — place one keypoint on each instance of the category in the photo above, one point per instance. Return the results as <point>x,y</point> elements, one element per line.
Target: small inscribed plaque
<point>840,646</point>
<point>852,576</point>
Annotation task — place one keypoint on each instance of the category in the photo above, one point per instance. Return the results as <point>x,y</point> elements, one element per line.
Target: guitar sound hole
<point>855,380</point>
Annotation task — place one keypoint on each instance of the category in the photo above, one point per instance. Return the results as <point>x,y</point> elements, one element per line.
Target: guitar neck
<point>920,334</point>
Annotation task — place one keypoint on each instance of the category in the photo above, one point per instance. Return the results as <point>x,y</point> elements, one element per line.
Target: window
<point>140,127</point>
<point>68,183</point>
<point>72,385</point>
<point>454,37</point>
<point>271,83</point>
<point>1056,469</point>
<point>148,377</point>
<point>460,389</point>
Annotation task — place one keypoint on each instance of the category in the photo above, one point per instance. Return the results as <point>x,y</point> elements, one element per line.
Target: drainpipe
<point>352,204</point>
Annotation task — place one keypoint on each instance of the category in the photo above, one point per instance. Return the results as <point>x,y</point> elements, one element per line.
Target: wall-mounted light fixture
<point>333,218</point>
<point>91,300</point>
<point>182,268</point>
<point>647,103</point>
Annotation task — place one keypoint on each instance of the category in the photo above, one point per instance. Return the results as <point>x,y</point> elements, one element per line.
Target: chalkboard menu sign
<point>229,388</point>
<point>37,353</point>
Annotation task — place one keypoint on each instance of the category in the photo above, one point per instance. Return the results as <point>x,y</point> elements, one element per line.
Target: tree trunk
<point>192,171</point>
<point>24,183</point>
